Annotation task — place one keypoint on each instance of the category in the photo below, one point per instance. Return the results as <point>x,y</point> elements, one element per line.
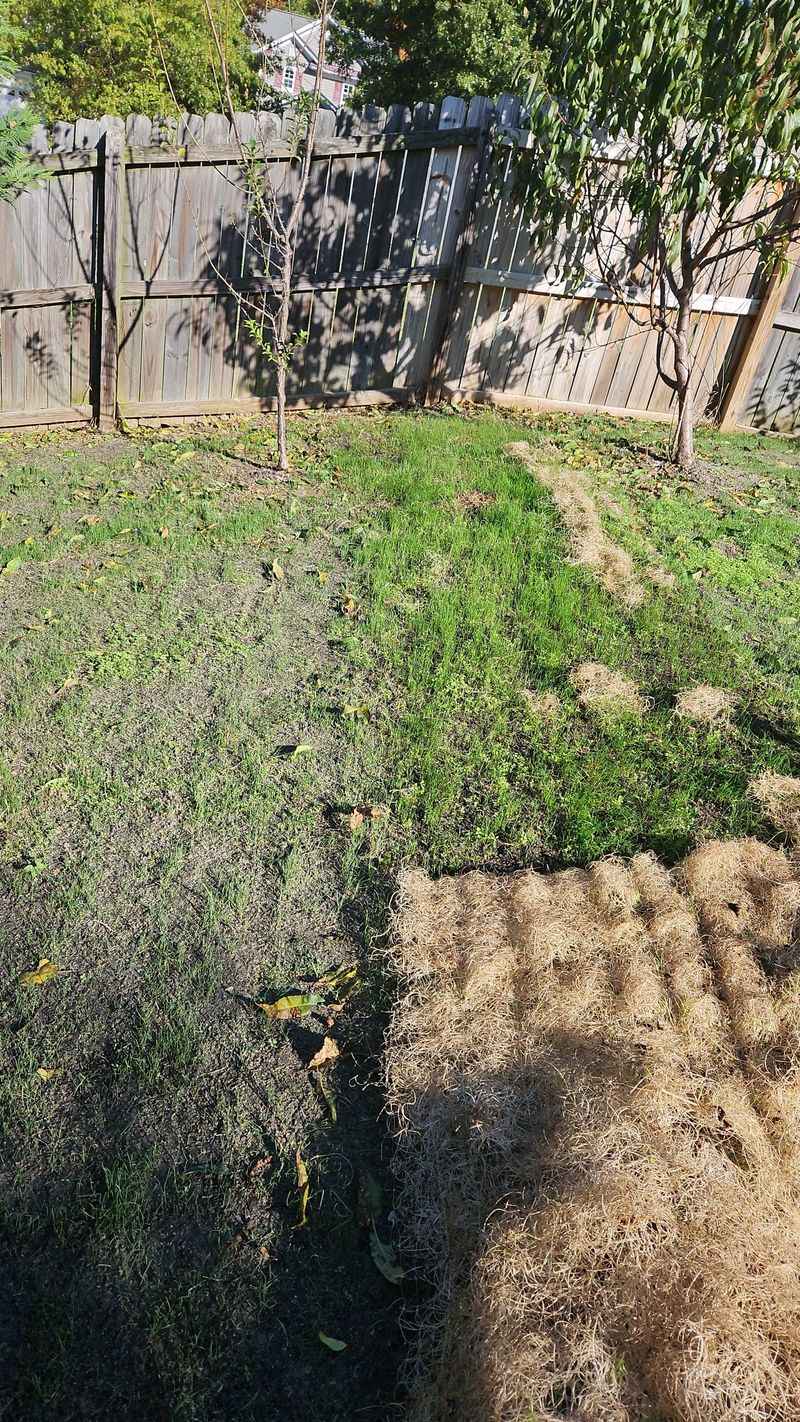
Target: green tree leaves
<point>94,57</point>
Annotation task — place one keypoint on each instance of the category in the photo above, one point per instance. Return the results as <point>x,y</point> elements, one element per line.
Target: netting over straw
<point>596,1076</point>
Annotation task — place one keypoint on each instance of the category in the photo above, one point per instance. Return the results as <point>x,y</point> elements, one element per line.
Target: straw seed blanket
<point>596,1080</point>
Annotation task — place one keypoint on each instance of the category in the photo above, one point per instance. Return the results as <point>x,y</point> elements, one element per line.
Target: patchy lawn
<point>212,684</point>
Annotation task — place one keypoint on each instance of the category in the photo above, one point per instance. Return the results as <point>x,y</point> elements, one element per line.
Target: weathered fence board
<point>418,270</point>
<point>525,327</point>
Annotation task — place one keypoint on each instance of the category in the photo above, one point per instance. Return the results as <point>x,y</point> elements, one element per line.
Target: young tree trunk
<point>684,439</point>
<point>283,456</point>
<point>282,338</point>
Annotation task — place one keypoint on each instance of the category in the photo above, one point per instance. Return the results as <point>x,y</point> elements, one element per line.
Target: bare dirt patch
<point>608,692</point>
<point>591,546</point>
<point>473,501</point>
<point>595,1077</point>
<point>707,705</point>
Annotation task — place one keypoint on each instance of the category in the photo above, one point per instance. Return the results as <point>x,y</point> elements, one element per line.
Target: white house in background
<point>15,90</point>
<point>290,45</point>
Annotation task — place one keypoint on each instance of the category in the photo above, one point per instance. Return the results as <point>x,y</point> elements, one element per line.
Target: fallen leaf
<point>45,1072</point>
<point>335,1344</point>
<point>164,531</point>
<point>327,1095</point>
<point>328,1052</point>
<point>349,605</point>
<point>264,1253</point>
<point>70,682</point>
<point>292,1006</point>
<point>354,820</point>
<point>333,982</point>
<point>259,1166</point>
<point>323,575</point>
<point>91,519</point>
<point>303,1187</point>
<point>277,571</point>
<point>42,973</point>
<point>301,750</point>
<point>12,566</point>
<point>377,812</point>
<point>384,1258</point>
<point>370,1198</point>
<point>359,710</point>
<point>183,456</point>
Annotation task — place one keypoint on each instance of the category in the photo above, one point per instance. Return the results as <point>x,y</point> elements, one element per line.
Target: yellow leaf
<point>186,454</point>
<point>292,1006</point>
<point>349,605</point>
<point>91,519</point>
<point>277,571</point>
<point>344,977</point>
<point>328,1052</point>
<point>323,575</point>
<point>42,973</point>
<point>303,1187</point>
<point>354,820</point>
<point>335,1344</point>
<point>67,685</point>
<point>164,532</point>
<point>358,710</point>
<point>45,1072</point>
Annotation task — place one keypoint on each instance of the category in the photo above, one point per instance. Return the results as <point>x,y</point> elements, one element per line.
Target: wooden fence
<point>120,278</point>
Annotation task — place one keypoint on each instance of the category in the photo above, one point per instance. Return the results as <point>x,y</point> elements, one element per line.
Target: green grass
<point>466,611</point>
<point>160,842</point>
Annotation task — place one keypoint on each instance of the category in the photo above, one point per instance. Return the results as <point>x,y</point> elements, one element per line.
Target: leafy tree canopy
<point>425,49</point>
<point>94,57</point>
<point>701,101</point>
<point>705,96</point>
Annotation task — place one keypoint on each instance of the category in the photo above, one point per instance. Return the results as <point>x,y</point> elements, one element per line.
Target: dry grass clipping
<point>779,798</point>
<point>708,705</point>
<point>606,691</point>
<point>544,704</point>
<point>591,546</point>
<point>596,1075</point>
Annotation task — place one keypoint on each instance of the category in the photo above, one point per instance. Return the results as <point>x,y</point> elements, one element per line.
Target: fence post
<point>757,337</point>
<point>465,235</point>
<point>112,159</point>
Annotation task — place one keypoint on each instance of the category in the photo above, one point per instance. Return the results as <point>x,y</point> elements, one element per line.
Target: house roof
<point>286,29</point>
<point>279,24</point>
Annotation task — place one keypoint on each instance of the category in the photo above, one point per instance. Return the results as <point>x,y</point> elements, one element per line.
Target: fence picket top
<point>398,118</point>
<point>384,231</point>
<point>40,139</point>
<point>425,116</point>
<point>371,119</point>
<point>453,112</point>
